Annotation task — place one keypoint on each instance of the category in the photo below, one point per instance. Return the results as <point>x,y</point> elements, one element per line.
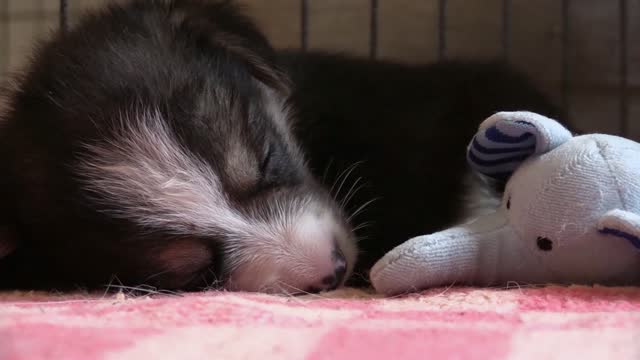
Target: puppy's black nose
<point>334,280</point>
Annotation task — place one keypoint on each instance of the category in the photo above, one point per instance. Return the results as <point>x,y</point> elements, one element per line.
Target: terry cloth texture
<point>447,323</point>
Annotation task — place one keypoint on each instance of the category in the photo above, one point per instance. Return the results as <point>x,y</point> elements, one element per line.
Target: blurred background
<point>585,54</point>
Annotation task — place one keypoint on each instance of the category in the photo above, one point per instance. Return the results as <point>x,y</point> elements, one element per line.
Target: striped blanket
<point>453,323</point>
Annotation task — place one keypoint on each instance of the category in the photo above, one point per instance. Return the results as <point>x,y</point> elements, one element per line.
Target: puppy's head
<point>228,192</point>
<point>159,150</point>
<point>210,167</point>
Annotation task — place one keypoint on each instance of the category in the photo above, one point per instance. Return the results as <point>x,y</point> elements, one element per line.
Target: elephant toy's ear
<point>622,224</point>
<point>506,139</point>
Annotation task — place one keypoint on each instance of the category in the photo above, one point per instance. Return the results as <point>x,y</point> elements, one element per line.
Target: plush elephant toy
<point>570,213</point>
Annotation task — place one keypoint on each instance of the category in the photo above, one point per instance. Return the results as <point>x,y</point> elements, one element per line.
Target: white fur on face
<point>156,182</point>
<point>143,174</point>
<point>294,257</point>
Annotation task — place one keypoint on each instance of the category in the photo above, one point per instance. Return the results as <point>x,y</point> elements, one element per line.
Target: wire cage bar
<point>624,67</point>
<point>565,91</point>
<point>442,28</point>
<point>373,29</point>
<point>565,58</point>
<point>64,15</point>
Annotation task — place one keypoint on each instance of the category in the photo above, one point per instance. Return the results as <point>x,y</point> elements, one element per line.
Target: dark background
<point>584,53</point>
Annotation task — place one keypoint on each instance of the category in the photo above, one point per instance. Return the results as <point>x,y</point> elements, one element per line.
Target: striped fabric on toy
<point>499,149</point>
<point>506,139</point>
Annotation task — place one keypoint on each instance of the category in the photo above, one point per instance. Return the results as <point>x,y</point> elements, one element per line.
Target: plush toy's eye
<point>509,203</point>
<point>544,244</point>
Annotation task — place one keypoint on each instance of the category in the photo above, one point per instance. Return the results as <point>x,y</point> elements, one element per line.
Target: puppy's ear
<point>261,66</point>
<point>210,23</point>
<point>506,139</point>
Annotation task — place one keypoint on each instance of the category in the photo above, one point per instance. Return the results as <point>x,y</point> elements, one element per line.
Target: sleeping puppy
<point>153,144</point>
<point>165,143</point>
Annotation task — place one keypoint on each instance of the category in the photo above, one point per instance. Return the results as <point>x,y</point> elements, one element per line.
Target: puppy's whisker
<point>362,208</point>
<point>346,176</point>
<point>343,177</point>
<point>351,193</point>
<point>326,171</point>
<point>364,225</point>
<point>335,182</point>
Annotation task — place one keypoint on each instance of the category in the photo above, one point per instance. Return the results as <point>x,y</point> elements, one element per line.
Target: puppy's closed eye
<point>276,168</point>
<point>266,160</point>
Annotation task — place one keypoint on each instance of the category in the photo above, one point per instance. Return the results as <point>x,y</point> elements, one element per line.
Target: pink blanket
<point>578,323</point>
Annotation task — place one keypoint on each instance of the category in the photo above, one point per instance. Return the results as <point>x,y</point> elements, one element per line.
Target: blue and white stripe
<point>499,149</point>
<point>506,139</point>
<point>634,240</point>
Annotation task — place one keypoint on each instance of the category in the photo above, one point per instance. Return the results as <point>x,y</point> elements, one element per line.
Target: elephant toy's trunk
<point>472,254</point>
